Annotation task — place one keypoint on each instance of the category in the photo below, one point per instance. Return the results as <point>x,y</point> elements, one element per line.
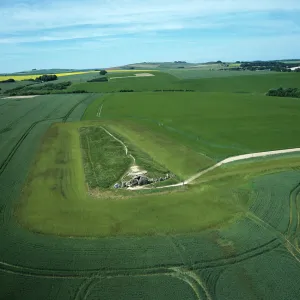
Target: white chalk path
<point>134,169</point>
<point>135,75</point>
<point>21,97</point>
<point>223,162</point>
<point>125,147</point>
<point>99,111</point>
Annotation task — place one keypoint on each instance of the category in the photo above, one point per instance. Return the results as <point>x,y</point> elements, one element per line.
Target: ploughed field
<point>233,233</point>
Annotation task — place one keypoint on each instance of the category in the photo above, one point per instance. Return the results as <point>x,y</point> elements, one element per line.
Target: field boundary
<point>28,130</point>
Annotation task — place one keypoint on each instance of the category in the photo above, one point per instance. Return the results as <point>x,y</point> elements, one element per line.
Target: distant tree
<point>99,79</point>
<point>288,92</point>
<point>237,62</point>
<point>78,92</point>
<point>265,65</point>
<point>46,78</point>
<point>103,72</point>
<point>38,89</point>
<point>219,62</point>
<point>7,80</point>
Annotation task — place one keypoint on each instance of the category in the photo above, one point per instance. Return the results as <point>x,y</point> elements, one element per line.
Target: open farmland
<point>159,81</point>
<point>202,81</point>
<point>229,234</point>
<point>11,85</point>
<point>199,73</point>
<point>33,76</point>
<point>216,124</point>
<point>20,116</point>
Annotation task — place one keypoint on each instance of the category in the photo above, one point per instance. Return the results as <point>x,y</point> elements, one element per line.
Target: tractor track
<point>16,147</point>
<point>3,103</point>
<point>41,105</point>
<point>26,133</point>
<point>65,118</point>
<point>293,225</point>
<point>155,270</point>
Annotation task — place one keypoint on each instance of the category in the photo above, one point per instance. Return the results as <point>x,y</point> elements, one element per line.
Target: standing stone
<point>143,181</point>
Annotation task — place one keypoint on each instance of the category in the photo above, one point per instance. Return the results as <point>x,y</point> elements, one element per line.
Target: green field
<point>11,85</point>
<point>291,61</point>
<point>233,233</point>
<point>177,79</point>
<point>252,82</point>
<point>216,124</point>
<point>159,81</point>
<point>206,73</point>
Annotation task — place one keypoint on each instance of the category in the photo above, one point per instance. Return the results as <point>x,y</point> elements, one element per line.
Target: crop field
<point>232,233</point>
<point>159,81</point>
<point>20,116</point>
<point>33,76</point>
<point>216,124</point>
<point>253,82</point>
<point>12,85</point>
<point>199,73</point>
<point>79,77</point>
<point>126,71</point>
<point>291,61</point>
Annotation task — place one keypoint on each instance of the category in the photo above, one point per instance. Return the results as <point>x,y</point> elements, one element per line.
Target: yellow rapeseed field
<point>33,76</point>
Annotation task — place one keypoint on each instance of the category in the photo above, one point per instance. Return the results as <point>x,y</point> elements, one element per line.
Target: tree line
<point>100,79</point>
<point>284,92</point>
<point>49,88</point>
<point>42,78</point>
<point>7,80</point>
<point>276,66</point>
<point>46,78</point>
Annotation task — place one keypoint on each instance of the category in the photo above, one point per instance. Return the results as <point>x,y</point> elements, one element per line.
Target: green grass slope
<point>55,199</point>
<point>255,82</point>
<point>243,84</point>
<point>159,81</point>
<point>104,158</point>
<point>216,124</point>
<point>206,73</point>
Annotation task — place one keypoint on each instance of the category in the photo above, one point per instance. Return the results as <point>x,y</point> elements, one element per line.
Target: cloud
<point>250,22</point>
<point>187,27</point>
<point>31,15</point>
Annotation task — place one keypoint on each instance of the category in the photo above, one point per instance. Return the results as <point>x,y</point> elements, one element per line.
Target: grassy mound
<point>104,158</point>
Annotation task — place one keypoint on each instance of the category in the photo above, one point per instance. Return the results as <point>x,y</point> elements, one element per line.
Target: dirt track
<point>223,162</point>
<point>21,97</point>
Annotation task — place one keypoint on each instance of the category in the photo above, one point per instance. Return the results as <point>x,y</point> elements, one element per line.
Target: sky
<point>41,34</point>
